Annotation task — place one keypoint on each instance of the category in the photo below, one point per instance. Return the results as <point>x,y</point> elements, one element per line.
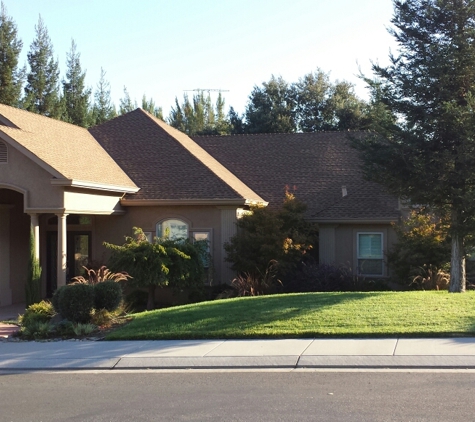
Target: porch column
<point>35,228</point>
<point>62,263</point>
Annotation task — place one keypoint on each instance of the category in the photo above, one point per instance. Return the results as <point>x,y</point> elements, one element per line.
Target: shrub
<point>76,301</point>
<point>55,298</point>
<point>255,285</point>
<point>136,301</point>
<point>107,295</point>
<point>313,277</point>
<point>37,329</point>
<point>38,312</point>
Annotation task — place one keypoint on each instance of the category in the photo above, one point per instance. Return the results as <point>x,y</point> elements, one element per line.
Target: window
<point>3,152</point>
<point>370,253</point>
<point>172,229</point>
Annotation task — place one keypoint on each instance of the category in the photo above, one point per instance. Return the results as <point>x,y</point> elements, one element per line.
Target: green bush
<point>107,295</point>
<point>76,302</point>
<point>55,298</point>
<point>37,313</point>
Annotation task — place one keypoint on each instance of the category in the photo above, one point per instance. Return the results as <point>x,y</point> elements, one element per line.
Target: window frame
<point>159,223</point>
<point>359,257</point>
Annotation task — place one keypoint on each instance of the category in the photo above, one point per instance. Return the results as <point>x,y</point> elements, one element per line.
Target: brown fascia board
<point>164,202</point>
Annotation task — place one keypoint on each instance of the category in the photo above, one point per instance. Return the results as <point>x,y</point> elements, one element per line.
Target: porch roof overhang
<point>174,202</point>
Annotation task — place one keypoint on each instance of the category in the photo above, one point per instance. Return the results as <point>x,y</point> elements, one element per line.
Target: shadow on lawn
<point>235,318</point>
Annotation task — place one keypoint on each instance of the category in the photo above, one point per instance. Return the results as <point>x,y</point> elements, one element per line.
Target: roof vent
<point>3,152</point>
<point>344,192</point>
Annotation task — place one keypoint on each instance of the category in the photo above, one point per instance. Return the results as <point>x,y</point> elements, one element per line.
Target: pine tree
<point>103,109</point>
<point>75,95</point>
<point>41,90</point>
<point>11,77</point>
<point>149,105</point>
<point>126,105</point>
<point>428,154</point>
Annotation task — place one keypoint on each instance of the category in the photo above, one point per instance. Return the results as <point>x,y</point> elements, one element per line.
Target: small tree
<point>422,243</point>
<point>156,264</point>
<point>33,283</point>
<point>267,235</point>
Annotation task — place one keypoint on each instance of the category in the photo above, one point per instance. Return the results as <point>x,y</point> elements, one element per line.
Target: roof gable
<point>166,163</point>
<point>68,152</point>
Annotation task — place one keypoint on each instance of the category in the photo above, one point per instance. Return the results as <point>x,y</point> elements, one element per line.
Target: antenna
<point>208,90</point>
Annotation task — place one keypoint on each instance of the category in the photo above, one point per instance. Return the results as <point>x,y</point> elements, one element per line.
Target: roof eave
<point>96,186</point>
<point>171,202</point>
<point>386,220</point>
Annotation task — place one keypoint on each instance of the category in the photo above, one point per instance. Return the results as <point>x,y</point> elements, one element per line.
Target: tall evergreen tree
<point>76,96</point>
<point>199,116</point>
<point>42,90</point>
<point>271,108</point>
<point>428,154</point>
<point>103,109</point>
<point>11,77</point>
<point>126,104</point>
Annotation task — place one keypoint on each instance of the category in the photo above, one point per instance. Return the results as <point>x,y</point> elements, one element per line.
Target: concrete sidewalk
<point>453,353</point>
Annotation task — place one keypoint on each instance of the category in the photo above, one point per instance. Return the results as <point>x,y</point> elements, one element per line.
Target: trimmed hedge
<point>107,295</point>
<point>76,302</point>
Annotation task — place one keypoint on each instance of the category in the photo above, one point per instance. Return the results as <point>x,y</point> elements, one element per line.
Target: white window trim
<point>358,257</point>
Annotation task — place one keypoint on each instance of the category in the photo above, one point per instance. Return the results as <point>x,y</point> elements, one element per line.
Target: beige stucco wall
<point>342,237</point>
<point>26,175</point>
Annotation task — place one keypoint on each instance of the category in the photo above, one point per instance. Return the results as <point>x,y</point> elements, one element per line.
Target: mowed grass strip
<point>421,313</point>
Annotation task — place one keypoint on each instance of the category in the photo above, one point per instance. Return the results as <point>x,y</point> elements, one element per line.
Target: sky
<point>162,48</point>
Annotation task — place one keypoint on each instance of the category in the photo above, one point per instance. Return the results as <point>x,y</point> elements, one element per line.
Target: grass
<point>383,314</point>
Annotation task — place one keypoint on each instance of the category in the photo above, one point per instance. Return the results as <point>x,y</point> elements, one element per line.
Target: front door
<point>78,256</point>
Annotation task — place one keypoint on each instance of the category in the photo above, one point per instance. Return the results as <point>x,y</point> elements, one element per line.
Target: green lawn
<point>421,313</point>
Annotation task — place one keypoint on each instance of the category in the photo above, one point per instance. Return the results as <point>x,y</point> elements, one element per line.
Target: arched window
<point>3,152</point>
<point>172,229</point>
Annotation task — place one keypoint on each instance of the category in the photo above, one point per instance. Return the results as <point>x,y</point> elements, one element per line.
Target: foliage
<point>428,153</point>
<point>37,329</point>
<point>80,329</point>
<point>149,105</point>
<point>255,285</point>
<point>156,264</point>
<point>76,302</point>
<point>431,278</point>
<point>199,116</point>
<point>75,94</point>
<point>313,277</point>
<point>41,90</point>
<point>266,235</point>
<point>101,316</point>
<point>422,242</point>
<point>38,312</point>
<point>103,108</point>
<point>55,298</point>
<point>107,295</point>
<point>136,301</point>
<point>33,282</point>
<point>11,77</point>
<point>126,104</point>
<point>101,275</point>
<point>311,104</point>
<point>309,315</point>
<point>270,108</point>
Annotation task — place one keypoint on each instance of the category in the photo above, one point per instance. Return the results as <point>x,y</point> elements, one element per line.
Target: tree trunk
<point>151,298</point>
<point>457,265</point>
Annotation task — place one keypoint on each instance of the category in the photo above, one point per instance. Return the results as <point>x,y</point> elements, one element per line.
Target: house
<point>76,188</point>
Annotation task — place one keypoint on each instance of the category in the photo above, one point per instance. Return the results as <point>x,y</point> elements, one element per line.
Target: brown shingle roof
<point>166,163</point>
<point>67,151</point>
<point>317,165</point>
